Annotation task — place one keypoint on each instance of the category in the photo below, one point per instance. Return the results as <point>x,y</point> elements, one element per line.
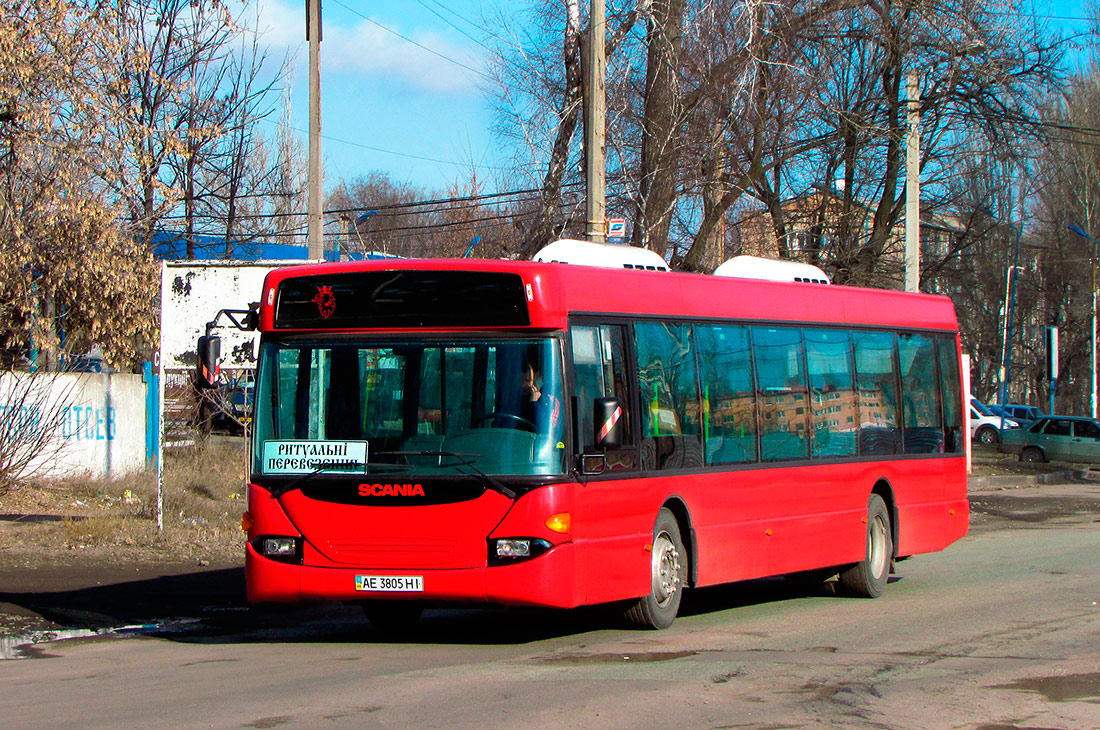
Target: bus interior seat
<point>923,440</point>
<point>671,452</point>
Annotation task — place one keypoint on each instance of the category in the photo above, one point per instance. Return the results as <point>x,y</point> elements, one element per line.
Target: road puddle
<point>29,646</point>
<point>1066,688</point>
<point>33,644</point>
<point>616,658</point>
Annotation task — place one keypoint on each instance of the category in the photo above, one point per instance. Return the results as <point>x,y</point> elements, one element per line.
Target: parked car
<point>1017,412</point>
<point>1060,438</point>
<point>226,407</point>
<point>985,425</point>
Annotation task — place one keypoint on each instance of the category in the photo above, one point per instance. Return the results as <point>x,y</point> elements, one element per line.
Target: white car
<point>985,425</point>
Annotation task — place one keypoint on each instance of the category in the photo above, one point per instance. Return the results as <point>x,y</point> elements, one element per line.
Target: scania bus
<point>548,434</point>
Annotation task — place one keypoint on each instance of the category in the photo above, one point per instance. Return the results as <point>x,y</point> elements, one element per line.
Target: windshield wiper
<point>462,460</point>
<point>277,492</point>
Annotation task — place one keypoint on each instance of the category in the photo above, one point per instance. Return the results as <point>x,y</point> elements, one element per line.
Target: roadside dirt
<point>89,553</point>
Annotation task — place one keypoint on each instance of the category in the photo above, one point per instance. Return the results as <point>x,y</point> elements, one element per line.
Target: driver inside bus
<point>542,410</point>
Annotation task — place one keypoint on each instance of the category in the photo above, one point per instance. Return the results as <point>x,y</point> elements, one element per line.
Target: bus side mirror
<point>209,351</point>
<point>607,415</point>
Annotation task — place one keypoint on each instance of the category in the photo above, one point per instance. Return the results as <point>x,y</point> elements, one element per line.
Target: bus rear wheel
<point>668,572</point>
<point>868,577</point>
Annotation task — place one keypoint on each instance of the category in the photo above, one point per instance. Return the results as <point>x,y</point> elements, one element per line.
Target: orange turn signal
<point>561,522</point>
<point>246,522</point>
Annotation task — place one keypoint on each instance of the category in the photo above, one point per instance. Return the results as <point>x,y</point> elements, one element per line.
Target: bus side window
<point>876,383</point>
<point>832,392</point>
<point>952,395</point>
<point>781,393</point>
<point>671,432</point>
<point>598,371</point>
<point>921,408</point>
<point>729,398</point>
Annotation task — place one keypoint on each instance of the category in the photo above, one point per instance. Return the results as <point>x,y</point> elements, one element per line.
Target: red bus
<point>550,434</point>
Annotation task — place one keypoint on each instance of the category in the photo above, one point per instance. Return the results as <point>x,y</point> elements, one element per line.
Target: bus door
<point>608,513</point>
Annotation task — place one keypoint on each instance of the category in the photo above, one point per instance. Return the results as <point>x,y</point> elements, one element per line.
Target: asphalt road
<point>1002,630</point>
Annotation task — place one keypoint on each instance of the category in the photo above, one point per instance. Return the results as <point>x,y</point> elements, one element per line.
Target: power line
<point>530,193</point>
<point>380,149</point>
<point>410,40</point>
<point>437,14</point>
<point>441,201</point>
<point>408,231</point>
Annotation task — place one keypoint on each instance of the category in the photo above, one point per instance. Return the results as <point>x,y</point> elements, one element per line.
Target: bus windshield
<point>442,407</point>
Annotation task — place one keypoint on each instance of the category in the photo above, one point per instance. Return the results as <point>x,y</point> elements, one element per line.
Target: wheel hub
<point>876,547</point>
<point>666,569</point>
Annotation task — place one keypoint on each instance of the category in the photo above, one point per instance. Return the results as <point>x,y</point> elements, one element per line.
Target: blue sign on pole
<point>616,229</point>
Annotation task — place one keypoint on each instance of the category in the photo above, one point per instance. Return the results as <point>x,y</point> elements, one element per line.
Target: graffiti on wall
<point>73,422</point>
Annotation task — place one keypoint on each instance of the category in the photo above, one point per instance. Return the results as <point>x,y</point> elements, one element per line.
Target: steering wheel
<point>519,422</point>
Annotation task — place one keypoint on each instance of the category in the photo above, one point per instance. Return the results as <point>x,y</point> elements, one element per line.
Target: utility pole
<point>912,187</point>
<point>594,132</point>
<point>316,187</point>
<point>1092,335</point>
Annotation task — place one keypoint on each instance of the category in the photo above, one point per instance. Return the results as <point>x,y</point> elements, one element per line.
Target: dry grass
<point>116,519</point>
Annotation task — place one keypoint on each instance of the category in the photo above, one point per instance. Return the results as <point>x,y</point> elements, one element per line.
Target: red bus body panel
<point>745,522</point>
<point>558,290</point>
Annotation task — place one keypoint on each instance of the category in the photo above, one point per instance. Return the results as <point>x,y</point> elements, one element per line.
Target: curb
<point>1054,477</point>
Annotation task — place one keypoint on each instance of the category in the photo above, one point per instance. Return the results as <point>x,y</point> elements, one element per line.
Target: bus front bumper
<point>549,580</point>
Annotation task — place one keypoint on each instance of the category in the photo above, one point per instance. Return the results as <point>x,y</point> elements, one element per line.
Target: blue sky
<point>401,86</point>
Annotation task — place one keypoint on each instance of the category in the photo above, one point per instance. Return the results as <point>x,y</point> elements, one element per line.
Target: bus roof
<point>553,291</point>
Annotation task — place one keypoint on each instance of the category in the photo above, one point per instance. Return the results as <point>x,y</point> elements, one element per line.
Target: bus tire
<point>668,573</point>
<point>868,577</point>
<point>393,616</point>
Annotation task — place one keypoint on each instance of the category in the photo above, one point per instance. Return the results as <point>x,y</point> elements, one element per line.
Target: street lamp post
<point>1006,352</point>
<point>1010,273</point>
<point>1092,265</point>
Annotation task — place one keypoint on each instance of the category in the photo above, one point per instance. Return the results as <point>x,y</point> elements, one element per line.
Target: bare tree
<point>33,412</point>
<point>773,99</point>
<point>1065,272</point>
<point>68,279</point>
<point>541,107</point>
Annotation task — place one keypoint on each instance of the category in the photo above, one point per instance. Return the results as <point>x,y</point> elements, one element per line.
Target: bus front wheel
<point>668,571</point>
<point>868,577</point>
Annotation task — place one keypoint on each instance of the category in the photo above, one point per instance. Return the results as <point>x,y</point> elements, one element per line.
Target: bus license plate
<point>390,583</point>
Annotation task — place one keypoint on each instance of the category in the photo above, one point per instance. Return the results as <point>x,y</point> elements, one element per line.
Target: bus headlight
<point>279,547</point>
<point>513,548</point>
<point>507,550</point>
<point>283,549</point>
